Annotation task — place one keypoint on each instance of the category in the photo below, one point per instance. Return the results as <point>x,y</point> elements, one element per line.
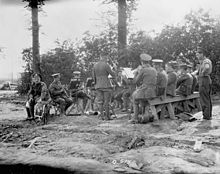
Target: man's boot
<point>125,103</point>
<point>101,110</point>
<point>134,119</point>
<point>107,114</point>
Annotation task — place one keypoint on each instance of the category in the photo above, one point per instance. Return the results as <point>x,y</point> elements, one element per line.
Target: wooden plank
<point>171,111</point>
<point>158,101</point>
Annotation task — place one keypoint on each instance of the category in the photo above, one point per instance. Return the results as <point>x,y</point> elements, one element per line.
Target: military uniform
<point>205,88</point>
<point>195,83</point>
<point>184,84</point>
<point>161,86</point>
<point>38,92</point>
<point>127,93</point>
<point>76,89</point>
<point>59,95</point>
<point>147,90</point>
<point>171,84</point>
<point>103,86</point>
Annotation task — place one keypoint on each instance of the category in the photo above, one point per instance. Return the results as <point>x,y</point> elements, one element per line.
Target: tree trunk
<point>122,32</point>
<point>35,40</point>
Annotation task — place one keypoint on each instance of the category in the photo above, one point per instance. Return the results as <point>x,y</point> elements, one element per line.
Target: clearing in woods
<point>85,144</point>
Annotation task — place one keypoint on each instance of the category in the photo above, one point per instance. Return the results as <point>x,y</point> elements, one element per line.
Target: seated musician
<point>59,94</point>
<point>195,80</point>
<point>90,88</point>
<point>147,77</point>
<point>162,78</point>
<point>38,92</point>
<point>77,90</point>
<point>118,90</point>
<point>127,93</point>
<point>76,87</point>
<point>172,78</point>
<point>184,82</point>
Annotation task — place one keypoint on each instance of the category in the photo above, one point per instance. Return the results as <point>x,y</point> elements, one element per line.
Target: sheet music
<point>128,73</point>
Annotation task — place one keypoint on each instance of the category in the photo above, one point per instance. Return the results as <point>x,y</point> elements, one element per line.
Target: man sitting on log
<point>184,82</point>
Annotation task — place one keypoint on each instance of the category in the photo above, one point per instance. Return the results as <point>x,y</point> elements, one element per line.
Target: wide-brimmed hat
<point>145,57</point>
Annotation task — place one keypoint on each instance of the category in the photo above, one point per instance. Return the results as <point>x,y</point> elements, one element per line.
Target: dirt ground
<point>88,145</point>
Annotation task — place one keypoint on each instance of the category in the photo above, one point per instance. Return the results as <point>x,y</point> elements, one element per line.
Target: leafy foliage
<point>25,81</point>
<point>172,43</point>
<point>34,3</point>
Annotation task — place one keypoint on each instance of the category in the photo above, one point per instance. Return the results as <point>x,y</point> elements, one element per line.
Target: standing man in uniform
<point>205,82</point>
<point>103,86</point>
<point>172,78</point>
<point>147,77</point>
<point>59,94</point>
<point>162,78</point>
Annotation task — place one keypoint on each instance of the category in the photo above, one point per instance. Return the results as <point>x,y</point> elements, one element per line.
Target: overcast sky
<point>69,19</point>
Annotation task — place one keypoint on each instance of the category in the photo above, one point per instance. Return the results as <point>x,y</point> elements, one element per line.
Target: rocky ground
<point>84,144</point>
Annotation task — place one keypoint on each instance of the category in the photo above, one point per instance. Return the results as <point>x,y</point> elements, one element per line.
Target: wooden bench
<point>172,104</point>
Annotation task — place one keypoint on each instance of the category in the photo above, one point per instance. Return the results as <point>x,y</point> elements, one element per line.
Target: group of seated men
<point>57,93</point>
<point>152,80</point>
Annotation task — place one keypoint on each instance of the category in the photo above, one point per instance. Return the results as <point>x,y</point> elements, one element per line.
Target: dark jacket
<point>161,86</point>
<point>39,90</point>
<point>184,84</point>
<point>171,84</point>
<point>148,79</point>
<point>101,72</point>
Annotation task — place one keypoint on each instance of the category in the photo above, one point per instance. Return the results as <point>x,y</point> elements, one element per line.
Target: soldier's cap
<point>55,75</point>
<point>145,57</point>
<point>157,61</point>
<point>200,50</point>
<point>76,72</point>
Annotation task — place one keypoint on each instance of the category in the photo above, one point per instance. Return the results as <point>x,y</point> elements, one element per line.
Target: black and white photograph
<point>110,86</point>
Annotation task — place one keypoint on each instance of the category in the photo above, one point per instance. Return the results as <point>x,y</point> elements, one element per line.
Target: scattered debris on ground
<point>167,146</point>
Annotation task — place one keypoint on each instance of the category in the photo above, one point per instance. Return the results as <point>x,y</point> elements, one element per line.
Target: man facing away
<point>205,82</point>
<point>162,78</point>
<point>172,78</point>
<point>147,77</point>
<point>59,94</point>
<point>103,86</point>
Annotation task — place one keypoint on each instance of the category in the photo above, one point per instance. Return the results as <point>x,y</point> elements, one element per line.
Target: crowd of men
<point>151,79</point>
